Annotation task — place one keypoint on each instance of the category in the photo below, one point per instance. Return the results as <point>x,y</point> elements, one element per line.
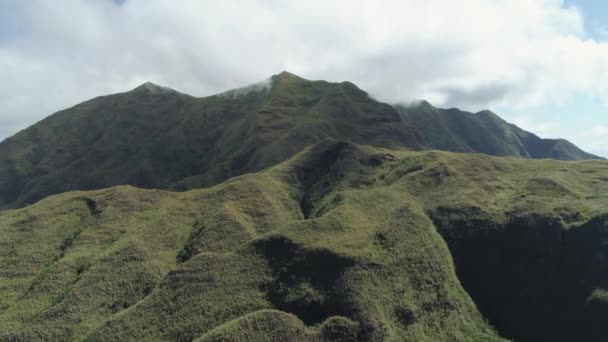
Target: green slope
<point>337,242</point>
<point>484,132</point>
<point>154,137</point>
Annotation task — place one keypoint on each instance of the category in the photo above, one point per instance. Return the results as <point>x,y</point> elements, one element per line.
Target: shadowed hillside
<point>155,137</point>
<point>484,132</point>
<point>340,243</point>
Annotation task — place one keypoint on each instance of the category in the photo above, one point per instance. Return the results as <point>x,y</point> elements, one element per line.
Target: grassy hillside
<point>155,137</point>
<point>484,132</point>
<point>340,242</point>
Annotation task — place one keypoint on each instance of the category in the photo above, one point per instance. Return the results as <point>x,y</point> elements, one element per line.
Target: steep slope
<point>484,132</point>
<point>337,243</point>
<point>155,137</point>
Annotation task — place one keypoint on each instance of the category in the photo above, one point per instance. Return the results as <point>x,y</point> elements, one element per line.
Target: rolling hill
<point>341,242</point>
<point>484,132</point>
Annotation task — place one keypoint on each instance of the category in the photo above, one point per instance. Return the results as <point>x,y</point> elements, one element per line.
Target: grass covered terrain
<point>154,137</point>
<point>484,132</point>
<point>340,242</point>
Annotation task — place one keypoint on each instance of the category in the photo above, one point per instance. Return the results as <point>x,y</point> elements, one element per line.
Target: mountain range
<point>156,137</point>
<point>297,210</point>
<point>484,132</point>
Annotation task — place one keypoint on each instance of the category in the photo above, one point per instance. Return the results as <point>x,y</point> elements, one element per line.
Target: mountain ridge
<point>484,132</point>
<point>156,137</point>
<point>166,139</point>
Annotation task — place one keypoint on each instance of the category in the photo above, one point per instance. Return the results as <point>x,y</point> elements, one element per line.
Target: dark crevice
<point>305,282</point>
<point>191,247</point>
<point>330,165</point>
<point>531,277</point>
<point>311,175</point>
<point>405,316</point>
<point>67,243</point>
<point>92,206</point>
<point>64,247</point>
<point>127,302</point>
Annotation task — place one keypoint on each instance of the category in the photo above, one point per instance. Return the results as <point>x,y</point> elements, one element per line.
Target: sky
<point>541,64</point>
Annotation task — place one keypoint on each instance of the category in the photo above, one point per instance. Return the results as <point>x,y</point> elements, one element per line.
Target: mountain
<point>484,132</point>
<point>306,211</point>
<point>341,242</point>
<point>156,137</point>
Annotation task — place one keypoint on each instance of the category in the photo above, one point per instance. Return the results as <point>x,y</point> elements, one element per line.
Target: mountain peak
<point>486,112</point>
<point>424,103</point>
<point>414,104</point>
<point>257,87</point>
<point>153,88</point>
<point>286,73</point>
<point>286,76</point>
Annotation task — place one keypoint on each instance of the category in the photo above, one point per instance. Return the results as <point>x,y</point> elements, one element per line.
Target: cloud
<point>470,53</point>
<point>480,94</point>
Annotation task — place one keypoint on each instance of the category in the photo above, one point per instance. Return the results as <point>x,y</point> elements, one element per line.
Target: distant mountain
<point>484,132</point>
<point>156,137</point>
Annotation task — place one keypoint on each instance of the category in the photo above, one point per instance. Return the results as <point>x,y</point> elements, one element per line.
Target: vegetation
<point>154,137</point>
<point>308,212</point>
<point>340,242</point>
<point>484,132</point>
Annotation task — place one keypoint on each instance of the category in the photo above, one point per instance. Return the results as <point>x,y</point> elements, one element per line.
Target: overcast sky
<point>542,64</point>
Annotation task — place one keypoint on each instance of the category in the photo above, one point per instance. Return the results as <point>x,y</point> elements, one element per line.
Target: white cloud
<point>471,53</point>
